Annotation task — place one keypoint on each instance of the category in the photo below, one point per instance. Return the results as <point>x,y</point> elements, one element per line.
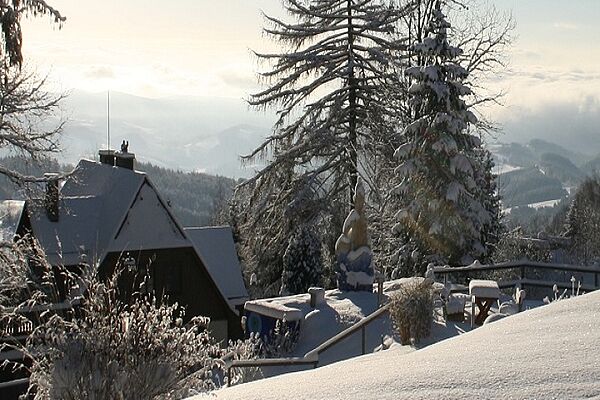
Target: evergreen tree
<point>583,222</point>
<point>445,204</point>
<point>302,262</point>
<point>493,229</point>
<point>483,34</point>
<point>327,86</point>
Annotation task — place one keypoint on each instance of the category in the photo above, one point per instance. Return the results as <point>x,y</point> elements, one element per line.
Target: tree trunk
<point>352,137</point>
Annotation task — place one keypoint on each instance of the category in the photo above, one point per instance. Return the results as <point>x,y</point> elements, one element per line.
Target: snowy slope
<point>548,352</point>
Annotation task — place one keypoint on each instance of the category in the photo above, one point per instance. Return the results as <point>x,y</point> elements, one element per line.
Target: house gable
<point>148,224</point>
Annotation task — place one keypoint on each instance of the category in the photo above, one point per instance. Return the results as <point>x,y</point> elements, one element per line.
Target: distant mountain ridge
<point>188,133</point>
<point>539,171</point>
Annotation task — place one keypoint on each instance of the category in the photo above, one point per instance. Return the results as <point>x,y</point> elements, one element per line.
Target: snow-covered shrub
<point>282,341</point>
<point>411,310</point>
<point>23,271</point>
<point>575,291</point>
<point>112,349</point>
<point>248,349</point>
<point>302,261</point>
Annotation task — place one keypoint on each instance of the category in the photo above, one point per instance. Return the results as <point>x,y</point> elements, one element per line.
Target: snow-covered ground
<point>547,352</point>
<point>547,203</point>
<point>537,206</point>
<point>504,168</point>
<point>339,311</point>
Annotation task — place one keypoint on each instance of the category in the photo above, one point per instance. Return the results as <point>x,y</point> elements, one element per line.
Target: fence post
<point>364,340</point>
<point>229,376</point>
<point>522,272</point>
<point>595,280</point>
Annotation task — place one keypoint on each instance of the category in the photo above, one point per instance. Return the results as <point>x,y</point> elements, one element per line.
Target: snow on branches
<point>440,164</point>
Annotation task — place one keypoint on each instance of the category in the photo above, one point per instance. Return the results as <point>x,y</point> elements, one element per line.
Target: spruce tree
<point>445,206</point>
<point>583,222</point>
<point>302,262</point>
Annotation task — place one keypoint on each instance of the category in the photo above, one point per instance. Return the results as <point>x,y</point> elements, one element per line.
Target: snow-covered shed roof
<point>216,248</point>
<point>546,352</point>
<point>93,202</point>
<point>11,212</point>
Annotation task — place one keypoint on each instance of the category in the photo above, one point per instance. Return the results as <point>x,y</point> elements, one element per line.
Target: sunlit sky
<point>157,48</point>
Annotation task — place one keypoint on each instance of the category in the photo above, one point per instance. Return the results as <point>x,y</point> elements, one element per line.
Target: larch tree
<point>444,202</point>
<point>11,14</point>
<point>327,88</point>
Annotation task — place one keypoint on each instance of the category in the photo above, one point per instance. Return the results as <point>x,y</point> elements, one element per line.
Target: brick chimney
<point>107,157</point>
<point>52,196</point>
<point>124,158</point>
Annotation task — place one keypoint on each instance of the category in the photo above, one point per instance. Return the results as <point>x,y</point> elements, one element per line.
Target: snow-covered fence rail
<point>312,357</point>
<point>588,276</point>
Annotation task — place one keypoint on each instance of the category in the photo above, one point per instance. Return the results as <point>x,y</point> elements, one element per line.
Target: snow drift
<point>548,352</point>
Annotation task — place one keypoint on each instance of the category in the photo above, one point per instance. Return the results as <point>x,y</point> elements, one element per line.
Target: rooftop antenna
<point>108,118</point>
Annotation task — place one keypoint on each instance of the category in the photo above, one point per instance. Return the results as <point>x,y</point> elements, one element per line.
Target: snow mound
<point>547,352</point>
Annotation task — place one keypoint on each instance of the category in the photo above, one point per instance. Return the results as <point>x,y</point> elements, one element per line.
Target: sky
<point>154,48</point>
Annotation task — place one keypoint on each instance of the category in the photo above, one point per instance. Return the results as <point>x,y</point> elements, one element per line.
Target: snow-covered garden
<point>546,352</point>
<point>375,192</point>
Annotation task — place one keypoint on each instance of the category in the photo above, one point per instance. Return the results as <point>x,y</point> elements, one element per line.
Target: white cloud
<point>566,26</point>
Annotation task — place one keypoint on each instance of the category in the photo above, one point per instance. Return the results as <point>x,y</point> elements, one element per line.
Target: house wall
<point>179,274</point>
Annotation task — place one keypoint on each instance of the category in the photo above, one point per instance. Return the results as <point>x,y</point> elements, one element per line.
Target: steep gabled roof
<point>94,201</point>
<point>216,248</point>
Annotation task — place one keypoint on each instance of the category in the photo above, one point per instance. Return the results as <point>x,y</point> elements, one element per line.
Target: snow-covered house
<point>108,214</point>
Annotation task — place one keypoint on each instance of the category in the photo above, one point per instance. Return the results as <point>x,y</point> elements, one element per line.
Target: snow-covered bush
<point>111,349</point>
<point>557,296</point>
<point>22,272</point>
<point>282,340</point>
<point>302,261</point>
<point>248,349</point>
<point>107,348</point>
<point>411,310</point>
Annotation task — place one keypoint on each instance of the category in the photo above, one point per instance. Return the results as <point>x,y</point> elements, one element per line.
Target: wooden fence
<point>588,276</point>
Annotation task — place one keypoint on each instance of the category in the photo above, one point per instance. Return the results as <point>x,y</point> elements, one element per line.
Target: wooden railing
<point>523,280</point>
<point>312,357</point>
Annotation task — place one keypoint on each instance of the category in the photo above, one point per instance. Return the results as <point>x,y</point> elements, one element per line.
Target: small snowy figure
<point>355,259</point>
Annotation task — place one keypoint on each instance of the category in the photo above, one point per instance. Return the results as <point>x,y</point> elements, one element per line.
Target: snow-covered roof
<point>217,251</point>
<point>10,216</point>
<point>274,310</point>
<point>550,351</point>
<point>94,201</point>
